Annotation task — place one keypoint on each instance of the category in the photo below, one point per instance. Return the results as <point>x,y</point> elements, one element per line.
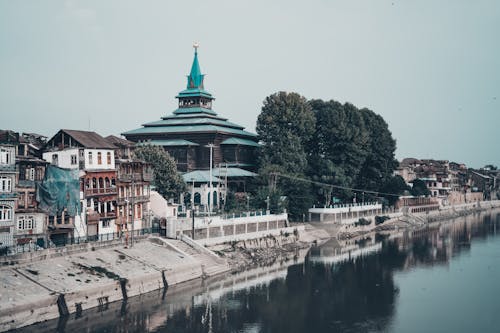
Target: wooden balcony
<point>128,177</point>
<point>100,191</point>
<point>124,177</point>
<point>147,176</point>
<point>136,199</point>
<point>95,217</point>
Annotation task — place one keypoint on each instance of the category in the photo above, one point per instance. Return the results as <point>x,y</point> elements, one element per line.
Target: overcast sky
<point>430,68</point>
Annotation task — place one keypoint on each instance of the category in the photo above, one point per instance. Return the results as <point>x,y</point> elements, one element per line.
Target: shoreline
<point>417,220</point>
<point>72,282</point>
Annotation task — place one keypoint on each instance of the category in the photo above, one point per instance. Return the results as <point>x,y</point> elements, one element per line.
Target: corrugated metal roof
<point>194,110</point>
<point>232,172</point>
<point>239,141</point>
<point>200,176</point>
<point>176,142</point>
<point>192,121</point>
<point>187,129</point>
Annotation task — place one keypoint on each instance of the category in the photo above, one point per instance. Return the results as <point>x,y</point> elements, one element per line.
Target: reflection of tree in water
<point>358,295</point>
<point>314,298</point>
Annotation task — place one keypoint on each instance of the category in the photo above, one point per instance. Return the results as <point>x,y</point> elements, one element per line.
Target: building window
<point>73,160</point>
<point>105,224</point>
<point>5,213</point>
<point>5,156</point>
<point>5,184</point>
<point>108,157</point>
<point>90,157</point>
<point>99,158</point>
<point>55,159</point>
<point>26,222</point>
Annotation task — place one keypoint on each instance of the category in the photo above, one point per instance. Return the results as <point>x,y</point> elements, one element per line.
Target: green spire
<point>195,78</point>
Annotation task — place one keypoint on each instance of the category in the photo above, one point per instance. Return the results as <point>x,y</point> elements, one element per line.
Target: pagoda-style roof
<point>178,142</point>
<point>200,176</point>
<point>189,129</point>
<point>239,141</point>
<point>194,115</point>
<point>203,176</point>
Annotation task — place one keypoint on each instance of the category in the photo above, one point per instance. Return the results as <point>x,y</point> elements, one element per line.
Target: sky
<point>431,68</point>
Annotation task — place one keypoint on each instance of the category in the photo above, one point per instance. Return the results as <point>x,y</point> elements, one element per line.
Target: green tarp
<point>59,190</point>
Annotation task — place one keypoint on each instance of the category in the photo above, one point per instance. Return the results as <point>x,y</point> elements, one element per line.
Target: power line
<point>333,186</point>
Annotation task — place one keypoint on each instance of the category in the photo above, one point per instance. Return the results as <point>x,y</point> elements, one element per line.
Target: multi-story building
<point>133,185</point>
<point>8,195</point>
<point>31,222</point>
<point>94,157</point>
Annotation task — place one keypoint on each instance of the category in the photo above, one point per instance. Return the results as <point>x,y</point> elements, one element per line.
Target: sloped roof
<point>232,172</point>
<point>89,139</point>
<point>175,121</point>
<point>239,141</point>
<point>119,142</point>
<point>175,142</point>
<point>200,176</point>
<point>188,129</point>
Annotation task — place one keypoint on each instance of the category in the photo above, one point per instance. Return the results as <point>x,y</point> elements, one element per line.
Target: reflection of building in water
<point>437,243</point>
<point>246,279</point>
<point>345,213</point>
<point>332,252</point>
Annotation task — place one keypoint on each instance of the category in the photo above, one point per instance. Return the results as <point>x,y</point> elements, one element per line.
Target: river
<point>443,279</point>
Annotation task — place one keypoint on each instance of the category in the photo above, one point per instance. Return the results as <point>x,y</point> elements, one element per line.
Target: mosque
<point>204,145</point>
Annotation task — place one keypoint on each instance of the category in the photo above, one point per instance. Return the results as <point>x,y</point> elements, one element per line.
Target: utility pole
<point>192,208</point>
<point>210,195</point>
<point>192,225</point>
<point>133,210</point>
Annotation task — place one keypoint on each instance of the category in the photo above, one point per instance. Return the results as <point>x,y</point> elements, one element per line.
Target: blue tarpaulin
<point>59,190</point>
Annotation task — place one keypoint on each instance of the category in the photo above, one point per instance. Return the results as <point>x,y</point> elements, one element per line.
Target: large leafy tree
<point>166,179</point>
<point>339,147</point>
<point>419,188</point>
<point>393,188</point>
<point>379,164</point>
<point>351,148</point>
<point>285,126</point>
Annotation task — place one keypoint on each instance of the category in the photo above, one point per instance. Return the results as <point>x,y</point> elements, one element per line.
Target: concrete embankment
<point>41,286</point>
<point>38,290</point>
<point>401,220</point>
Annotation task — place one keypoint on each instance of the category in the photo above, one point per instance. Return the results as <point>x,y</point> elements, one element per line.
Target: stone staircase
<point>209,264</point>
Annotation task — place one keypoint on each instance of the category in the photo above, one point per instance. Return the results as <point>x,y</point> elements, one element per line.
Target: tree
<point>394,187</point>
<point>351,148</point>
<point>380,163</point>
<point>166,179</point>
<point>285,126</point>
<point>419,188</point>
<point>339,147</point>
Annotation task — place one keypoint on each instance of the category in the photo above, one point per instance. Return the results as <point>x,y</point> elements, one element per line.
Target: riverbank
<point>414,220</point>
<point>36,289</point>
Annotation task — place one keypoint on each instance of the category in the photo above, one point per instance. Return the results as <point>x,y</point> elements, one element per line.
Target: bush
<point>362,221</point>
<point>381,219</point>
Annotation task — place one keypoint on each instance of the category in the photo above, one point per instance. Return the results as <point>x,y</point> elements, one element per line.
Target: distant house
<point>8,195</point>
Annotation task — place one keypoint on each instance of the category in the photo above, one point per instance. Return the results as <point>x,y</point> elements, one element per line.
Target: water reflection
<point>344,286</point>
